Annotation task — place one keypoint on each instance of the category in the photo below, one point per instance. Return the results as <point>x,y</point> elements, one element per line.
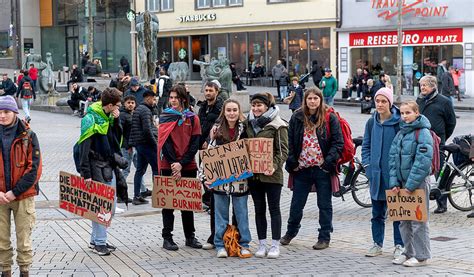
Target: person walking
<point>33,73</point>
<point>277,73</point>
<point>448,89</point>
<point>316,73</point>
<point>144,137</point>
<point>312,157</point>
<point>20,161</point>
<point>380,130</point>
<point>264,121</point>
<point>27,95</point>
<point>410,165</point>
<point>440,112</point>
<point>178,143</point>
<point>229,128</point>
<point>128,152</point>
<point>440,70</point>
<point>100,138</point>
<point>329,86</point>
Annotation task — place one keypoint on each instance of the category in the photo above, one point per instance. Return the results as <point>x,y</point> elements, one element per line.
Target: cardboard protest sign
<point>261,154</point>
<point>185,194</point>
<point>94,201</point>
<point>406,206</point>
<point>227,163</point>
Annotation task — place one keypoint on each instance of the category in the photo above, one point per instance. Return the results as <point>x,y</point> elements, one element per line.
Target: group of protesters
<point>168,138</point>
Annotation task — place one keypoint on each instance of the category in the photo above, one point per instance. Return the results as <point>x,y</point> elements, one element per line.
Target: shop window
<point>276,48</point>
<point>320,47</point>
<point>164,49</point>
<point>160,5</point>
<point>238,51</point>
<point>257,54</point>
<point>180,49</point>
<point>206,4</point>
<point>67,11</point>
<point>6,49</point>
<point>297,52</point>
<point>219,48</point>
<point>52,40</point>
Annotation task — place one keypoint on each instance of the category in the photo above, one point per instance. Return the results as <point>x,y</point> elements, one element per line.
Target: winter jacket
<point>19,92</point>
<point>298,99</point>
<point>410,158</point>
<point>277,129</point>
<point>440,112</point>
<point>138,94</point>
<point>24,162</point>
<point>126,121</point>
<point>143,129</point>
<point>317,74</point>
<point>8,87</point>
<point>331,146</point>
<point>330,88</point>
<point>33,73</point>
<point>376,145</point>
<point>80,94</point>
<point>277,71</point>
<point>208,116</point>
<point>76,75</point>
<point>447,88</point>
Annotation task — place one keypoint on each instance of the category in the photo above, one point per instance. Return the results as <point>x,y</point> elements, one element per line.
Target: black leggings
<point>259,190</point>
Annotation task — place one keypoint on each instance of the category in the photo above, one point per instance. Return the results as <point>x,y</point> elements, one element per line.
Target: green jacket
<point>278,130</point>
<point>330,87</point>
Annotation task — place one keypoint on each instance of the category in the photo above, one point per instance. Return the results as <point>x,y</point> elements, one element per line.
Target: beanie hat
<point>260,97</point>
<point>388,93</point>
<point>8,103</point>
<point>134,82</point>
<point>217,83</point>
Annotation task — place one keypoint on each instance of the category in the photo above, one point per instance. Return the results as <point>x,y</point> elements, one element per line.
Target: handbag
<point>289,98</point>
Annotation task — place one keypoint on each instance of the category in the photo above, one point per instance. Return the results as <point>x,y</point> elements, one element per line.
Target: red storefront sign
<point>410,37</point>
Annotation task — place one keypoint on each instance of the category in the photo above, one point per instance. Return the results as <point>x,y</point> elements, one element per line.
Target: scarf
<point>260,122</point>
<point>171,114</point>
<point>95,122</point>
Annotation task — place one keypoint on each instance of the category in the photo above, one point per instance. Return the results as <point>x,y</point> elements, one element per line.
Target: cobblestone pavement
<point>60,239</point>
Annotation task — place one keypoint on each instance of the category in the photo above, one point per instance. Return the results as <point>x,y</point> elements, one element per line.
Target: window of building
<point>320,47</point>
<point>67,11</point>
<point>297,52</point>
<point>6,50</point>
<point>257,51</point>
<point>219,48</point>
<point>276,48</point>
<point>238,51</point>
<point>205,4</point>
<point>160,5</point>
<point>164,49</point>
<point>283,1</point>
<point>180,49</point>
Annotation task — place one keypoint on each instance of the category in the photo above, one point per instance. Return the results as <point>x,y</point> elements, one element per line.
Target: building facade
<point>248,32</point>
<point>432,30</point>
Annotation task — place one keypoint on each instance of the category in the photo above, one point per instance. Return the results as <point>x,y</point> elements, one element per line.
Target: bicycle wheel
<point>460,191</point>
<point>360,189</point>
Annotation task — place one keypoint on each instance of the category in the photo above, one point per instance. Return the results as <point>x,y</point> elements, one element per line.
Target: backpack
<point>166,86</point>
<point>435,162</point>
<point>26,90</point>
<point>348,151</point>
<point>231,242</point>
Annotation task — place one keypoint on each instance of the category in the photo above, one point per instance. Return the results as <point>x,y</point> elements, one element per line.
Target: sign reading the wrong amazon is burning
<point>226,163</point>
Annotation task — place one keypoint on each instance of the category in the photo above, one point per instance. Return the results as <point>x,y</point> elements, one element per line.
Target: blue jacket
<point>378,139</point>
<point>298,99</point>
<point>410,159</point>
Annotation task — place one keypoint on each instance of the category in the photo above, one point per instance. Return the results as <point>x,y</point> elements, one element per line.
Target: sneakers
<point>286,239</point>
<point>193,243</point>
<point>120,200</point>
<point>169,244</point>
<point>245,253</point>
<point>348,99</point>
<point>413,262</point>
<point>221,253</point>
<point>397,252</point>
<point>440,210</point>
<point>208,246</point>
<point>400,260</point>
<point>119,210</point>
<point>262,251</point>
<point>320,245</point>
<point>146,193</point>
<point>375,250</point>
<point>109,246</point>
<point>101,250</point>
<point>357,99</point>
<point>139,200</point>
<point>273,253</point>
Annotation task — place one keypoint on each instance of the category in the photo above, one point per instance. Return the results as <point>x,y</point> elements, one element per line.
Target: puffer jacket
<point>143,129</point>
<point>277,129</point>
<point>239,188</point>
<point>410,158</point>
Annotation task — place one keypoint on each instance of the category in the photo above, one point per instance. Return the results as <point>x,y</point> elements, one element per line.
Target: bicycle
<point>355,180</point>
<point>459,181</point>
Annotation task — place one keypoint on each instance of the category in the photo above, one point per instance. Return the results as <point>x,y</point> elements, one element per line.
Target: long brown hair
<point>222,134</point>
<point>320,111</point>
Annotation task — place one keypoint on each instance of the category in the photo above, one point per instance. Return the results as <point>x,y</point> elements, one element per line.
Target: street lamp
<point>131,15</point>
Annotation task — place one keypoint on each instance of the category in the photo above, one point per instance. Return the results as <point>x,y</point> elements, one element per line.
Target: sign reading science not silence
<point>226,163</point>
<point>183,194</point>
<point>94,201</point>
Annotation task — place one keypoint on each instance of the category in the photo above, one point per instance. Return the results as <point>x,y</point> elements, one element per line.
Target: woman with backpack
<point>27,94</point>
<point>315,144</point>
<point>264,122</point>
<point>229,128</point>
<point>410,165</point>
<point>380,130</point>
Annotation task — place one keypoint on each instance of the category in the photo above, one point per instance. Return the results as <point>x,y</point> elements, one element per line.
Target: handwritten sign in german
<point>94,201</point>
<point>407,206</point>
<point>261,154</point>
<point>184,194</point>
<point>226,163</point>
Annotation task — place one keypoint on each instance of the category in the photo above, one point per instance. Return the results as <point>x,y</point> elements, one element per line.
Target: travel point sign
<point>388,9</point>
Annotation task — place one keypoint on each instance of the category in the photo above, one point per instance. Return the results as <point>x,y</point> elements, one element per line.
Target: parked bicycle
<point>459,181</point>
<point>355,181</point>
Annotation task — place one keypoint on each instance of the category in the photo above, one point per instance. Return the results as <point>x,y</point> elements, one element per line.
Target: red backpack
<point>435,162</point>
<point>348,152</point>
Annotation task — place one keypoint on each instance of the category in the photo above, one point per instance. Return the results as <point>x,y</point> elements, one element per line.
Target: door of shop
<point>72,45</point>
<point>199,49</point>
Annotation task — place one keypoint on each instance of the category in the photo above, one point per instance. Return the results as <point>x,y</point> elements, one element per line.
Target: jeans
<point>99,231</point>
<point>239,204</point>
<point>329,100</point>
<point>25,105</point>
<point>379,214</point>
<point>303,181</point>
<point>146,155</point>
<point>272,193</point>
<point>284,92</point>
<point>187,217</point>
<point>130,158</point>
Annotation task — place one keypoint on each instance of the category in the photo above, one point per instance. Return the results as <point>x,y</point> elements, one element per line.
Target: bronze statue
<point>147,26</point>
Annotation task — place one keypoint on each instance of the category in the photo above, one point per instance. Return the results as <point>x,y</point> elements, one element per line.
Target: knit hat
<point>134,82</point>
<point>388,93</point>
<point>260,97</point>
<point>8,103</point>
<point>217,83</point>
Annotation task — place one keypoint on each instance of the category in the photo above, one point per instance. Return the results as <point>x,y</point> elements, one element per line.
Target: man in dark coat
<point>447,84</point>
<point>440,112</point>
<point>78,94</point>
<point>316,73</point>
<point>136,90</point>
<point>209,111</point>
<point>76,76</point>
<point>8,86</point>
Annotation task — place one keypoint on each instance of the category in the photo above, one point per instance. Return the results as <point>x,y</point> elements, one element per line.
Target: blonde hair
<point>370,82</point>
<point>412,105</point>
